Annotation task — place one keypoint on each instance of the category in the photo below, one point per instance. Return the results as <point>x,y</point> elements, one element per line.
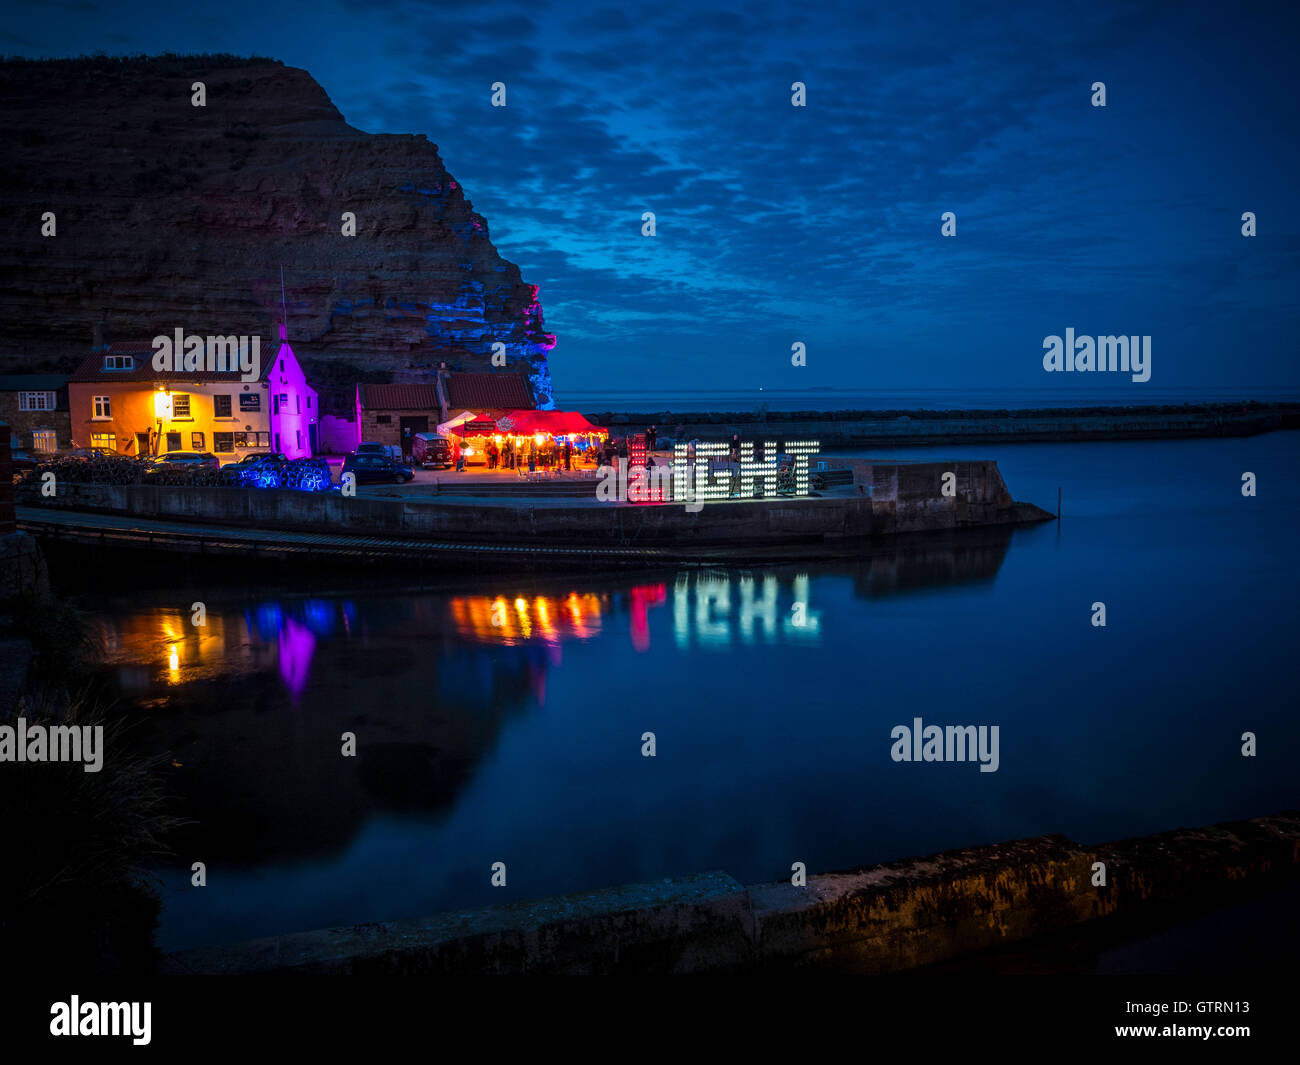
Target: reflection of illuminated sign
<point>724,608</point>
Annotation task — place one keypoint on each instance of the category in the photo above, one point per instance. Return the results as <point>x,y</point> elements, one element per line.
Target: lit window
<point>44,440</point>
<point>180,405</point>
<point>104,440</point>
<point>102,407</point>
<point>196,441</point>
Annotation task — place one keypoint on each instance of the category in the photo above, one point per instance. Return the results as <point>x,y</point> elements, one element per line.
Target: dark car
<point>85,454</point>
<point>376,469</point>
<point>20,459</point>
<point>254,459</point>
<point>372,448</point>
<point>184,460</point>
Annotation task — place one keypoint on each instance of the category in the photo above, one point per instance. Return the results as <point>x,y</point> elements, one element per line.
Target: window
<point>221,406</point>
<point>277,441</point>
<point>275,404</point>
<point>44,440</point>
<point>223,443</point>
<point>119,362</point>
<point>106,440</point>
<point>250,401</point>
<point>180,405</point>
<point>35,400</point>
<point>252,439</point>
<point>282,366</point>
<point>103,408</point>
<point>309,402</point>
<point>297,399</point>
<point>298,434</point>
<point>196,441</point>
<point>173,441</point>
<point>383,419</point>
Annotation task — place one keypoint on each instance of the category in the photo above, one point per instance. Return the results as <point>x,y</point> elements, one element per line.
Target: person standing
<point>651,435</point>
<point>568,455</point>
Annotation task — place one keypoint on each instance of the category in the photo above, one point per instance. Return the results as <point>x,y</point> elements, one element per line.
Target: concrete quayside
<point>880,499</point>
<point>886,918</point>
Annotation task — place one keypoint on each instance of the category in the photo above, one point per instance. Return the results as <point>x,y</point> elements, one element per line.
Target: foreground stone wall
<point>905,498</point>
<point>876,919</point>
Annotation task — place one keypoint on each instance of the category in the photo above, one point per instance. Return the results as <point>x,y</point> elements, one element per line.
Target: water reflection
<point>513,619</point>
<point>703,615</point>
<point>250,708</point>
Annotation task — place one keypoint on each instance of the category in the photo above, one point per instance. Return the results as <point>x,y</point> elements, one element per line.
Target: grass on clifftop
<point>168,64</point>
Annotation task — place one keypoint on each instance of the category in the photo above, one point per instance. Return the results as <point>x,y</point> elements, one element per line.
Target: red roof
<point>92,366</point>
<point>400,397</point>
<point>488,391</point>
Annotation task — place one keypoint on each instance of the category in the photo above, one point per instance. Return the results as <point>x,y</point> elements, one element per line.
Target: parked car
<point>376,469</point>
<point>433,449</point>
<point>186,459</point>
<point>372,448</point>
<point>85,454</point>
<point>21,459</point>
<point>258,458</point>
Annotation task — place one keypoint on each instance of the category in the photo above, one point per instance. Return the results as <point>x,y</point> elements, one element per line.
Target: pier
<point>882,499</point>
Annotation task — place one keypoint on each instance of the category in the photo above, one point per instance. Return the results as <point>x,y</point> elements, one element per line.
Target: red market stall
<point>518,435</point>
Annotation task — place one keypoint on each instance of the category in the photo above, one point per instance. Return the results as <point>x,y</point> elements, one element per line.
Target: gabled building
<point>119,401</point>
<point>392,414</point>
<point>484,394</point>
<point>36,408</point>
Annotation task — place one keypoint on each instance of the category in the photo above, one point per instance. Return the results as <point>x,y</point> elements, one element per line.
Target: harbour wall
<point>911,430</point>
<point>875,919</point>
<point>885,498</point>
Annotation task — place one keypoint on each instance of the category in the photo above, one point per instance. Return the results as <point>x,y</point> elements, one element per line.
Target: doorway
<point>409,427</point>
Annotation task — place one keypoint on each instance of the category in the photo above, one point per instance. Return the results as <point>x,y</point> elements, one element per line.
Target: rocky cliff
<point>167,214</point>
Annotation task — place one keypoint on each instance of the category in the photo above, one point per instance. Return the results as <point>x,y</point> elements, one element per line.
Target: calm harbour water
<point>500,719</point>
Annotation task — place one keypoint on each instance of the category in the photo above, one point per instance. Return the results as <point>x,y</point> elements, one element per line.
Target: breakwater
<point>847,428</point>
<point>882,499</point>
<point>876,919</point>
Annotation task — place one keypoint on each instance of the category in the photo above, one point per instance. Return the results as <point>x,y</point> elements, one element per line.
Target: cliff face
<point>173,215</point>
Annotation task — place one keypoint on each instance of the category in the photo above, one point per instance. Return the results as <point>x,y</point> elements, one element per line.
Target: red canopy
<point>528,422</point>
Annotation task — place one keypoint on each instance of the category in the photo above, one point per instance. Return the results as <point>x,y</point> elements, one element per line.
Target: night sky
<point>821,224</point>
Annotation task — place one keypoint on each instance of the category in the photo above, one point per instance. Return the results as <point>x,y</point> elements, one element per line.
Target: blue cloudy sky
<point>821,224</point>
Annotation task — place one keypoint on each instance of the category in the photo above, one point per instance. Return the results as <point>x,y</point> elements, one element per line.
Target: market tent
<point>553,422</point>
<point>451,423</point>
